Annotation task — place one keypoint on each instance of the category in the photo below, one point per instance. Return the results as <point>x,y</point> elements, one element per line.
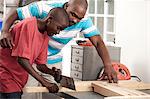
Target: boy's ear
<point>49,18</point>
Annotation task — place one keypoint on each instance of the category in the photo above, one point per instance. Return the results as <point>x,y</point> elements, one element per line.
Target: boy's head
<point>56,21</point>
<point>76,10</point>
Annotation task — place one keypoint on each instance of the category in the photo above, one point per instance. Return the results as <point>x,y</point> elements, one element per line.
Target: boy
<point>31,39</point>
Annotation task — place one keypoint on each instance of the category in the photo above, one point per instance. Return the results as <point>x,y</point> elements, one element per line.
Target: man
<point>76,10</point>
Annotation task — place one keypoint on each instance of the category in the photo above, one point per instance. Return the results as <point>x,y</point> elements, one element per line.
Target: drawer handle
<point>77,52</point>
<point>76,67</point>
<point>76,74</point>
<point>77,59</point>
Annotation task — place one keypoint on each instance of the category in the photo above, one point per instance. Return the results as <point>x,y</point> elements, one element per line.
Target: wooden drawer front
<point>76,74</point>
<point>78,60</point>
<point>76,67</point>
<point>77,52</point>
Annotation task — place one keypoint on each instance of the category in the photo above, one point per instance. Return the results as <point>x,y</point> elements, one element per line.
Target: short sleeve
<point>89,29</point>
<point>42,58</point>
<point>33,9</point>
<point>38,9</point>
<point>22,39</point>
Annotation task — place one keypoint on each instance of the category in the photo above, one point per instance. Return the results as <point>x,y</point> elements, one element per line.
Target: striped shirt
<point>57,42</point>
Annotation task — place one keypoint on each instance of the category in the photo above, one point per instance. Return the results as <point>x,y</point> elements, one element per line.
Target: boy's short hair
<point>59,15</point>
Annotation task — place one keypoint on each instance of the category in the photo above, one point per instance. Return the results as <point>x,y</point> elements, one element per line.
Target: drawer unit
<point>76,67</point>
<point>77,52</point>
<point>86,63</point>
<point>77,59</point>
<point>76,74</point>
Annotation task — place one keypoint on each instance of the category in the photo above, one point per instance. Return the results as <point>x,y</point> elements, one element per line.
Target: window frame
<point>105,16</point>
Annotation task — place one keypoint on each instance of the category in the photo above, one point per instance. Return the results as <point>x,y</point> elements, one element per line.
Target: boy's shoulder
<point>26,21</point>
<point>29,20</point>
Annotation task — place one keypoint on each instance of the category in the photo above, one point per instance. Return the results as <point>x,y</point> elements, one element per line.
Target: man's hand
<point>6,40</point>
<point>109,74</point>
<point>53,88</point>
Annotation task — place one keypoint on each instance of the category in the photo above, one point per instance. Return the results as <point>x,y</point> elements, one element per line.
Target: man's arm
<point>103,53</point>
<point>6,38</point>
<point>26,65</point>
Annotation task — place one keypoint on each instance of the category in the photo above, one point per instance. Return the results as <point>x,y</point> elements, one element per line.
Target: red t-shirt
<point>30,44</point>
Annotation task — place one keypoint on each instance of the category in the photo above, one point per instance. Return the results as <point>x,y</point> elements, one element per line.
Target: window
<point>1,9</point>
<point>102,14</point>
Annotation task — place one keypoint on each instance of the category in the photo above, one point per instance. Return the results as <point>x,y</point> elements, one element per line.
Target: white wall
<point>66,63</point>
<point>132,36</point>
<point>148,38</point>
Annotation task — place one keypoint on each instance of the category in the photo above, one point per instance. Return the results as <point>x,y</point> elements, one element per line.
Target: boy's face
<point>53,27</point>
<point>75,12</point>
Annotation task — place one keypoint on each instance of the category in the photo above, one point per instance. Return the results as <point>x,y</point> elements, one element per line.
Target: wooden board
<point>108,89</point>
<point>44,89</point>
<point>86,86</point>
<point>132,84</point>
<point>128,97</point>
<point>80,86</point>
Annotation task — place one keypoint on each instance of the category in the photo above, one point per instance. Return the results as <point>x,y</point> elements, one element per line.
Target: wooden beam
<point>84,85</point>
<point>130,84</point>
<point>108,89</point>
<point>129,97</point>
<point>79,85</point>
<point>44,89</point>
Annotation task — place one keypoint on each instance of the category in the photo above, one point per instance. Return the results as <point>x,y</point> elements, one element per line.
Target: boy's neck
<point>41,25</point>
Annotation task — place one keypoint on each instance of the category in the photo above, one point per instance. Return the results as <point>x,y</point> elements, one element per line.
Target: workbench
<point>93,90</point>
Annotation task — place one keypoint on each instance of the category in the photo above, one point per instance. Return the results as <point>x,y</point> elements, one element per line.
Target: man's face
<point>53,27</point>
<point>75,12</point>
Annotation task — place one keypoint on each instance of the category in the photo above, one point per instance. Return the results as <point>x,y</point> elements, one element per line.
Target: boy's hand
<point>6,40</point>
<point>52,87</point>
<point>57,74</point>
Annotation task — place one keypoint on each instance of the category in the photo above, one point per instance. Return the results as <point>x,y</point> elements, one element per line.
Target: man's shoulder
<point>51,3</point>
<point>86,19</point>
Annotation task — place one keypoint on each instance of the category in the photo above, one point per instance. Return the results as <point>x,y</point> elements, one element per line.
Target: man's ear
<point>66,5</point>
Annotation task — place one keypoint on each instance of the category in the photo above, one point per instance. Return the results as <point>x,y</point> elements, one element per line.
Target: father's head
<point>76,10</point>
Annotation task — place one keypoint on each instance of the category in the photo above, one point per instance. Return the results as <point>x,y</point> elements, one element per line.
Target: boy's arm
<point>26,65</point>
<point>6,40</point>
<point>56,73</point>
<point>19,13</point>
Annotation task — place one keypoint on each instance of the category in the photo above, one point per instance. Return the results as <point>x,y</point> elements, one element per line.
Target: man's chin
<point>50,34</point>
<point>71,23</point>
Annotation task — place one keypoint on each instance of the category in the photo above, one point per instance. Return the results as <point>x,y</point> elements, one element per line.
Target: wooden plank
<point>108,89</point>
<point>34,89</point>
<point>80,86</point>
<point>84,85</point>
<point>129,97</point>
<point>130,84</point>
<point>44,89</point>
